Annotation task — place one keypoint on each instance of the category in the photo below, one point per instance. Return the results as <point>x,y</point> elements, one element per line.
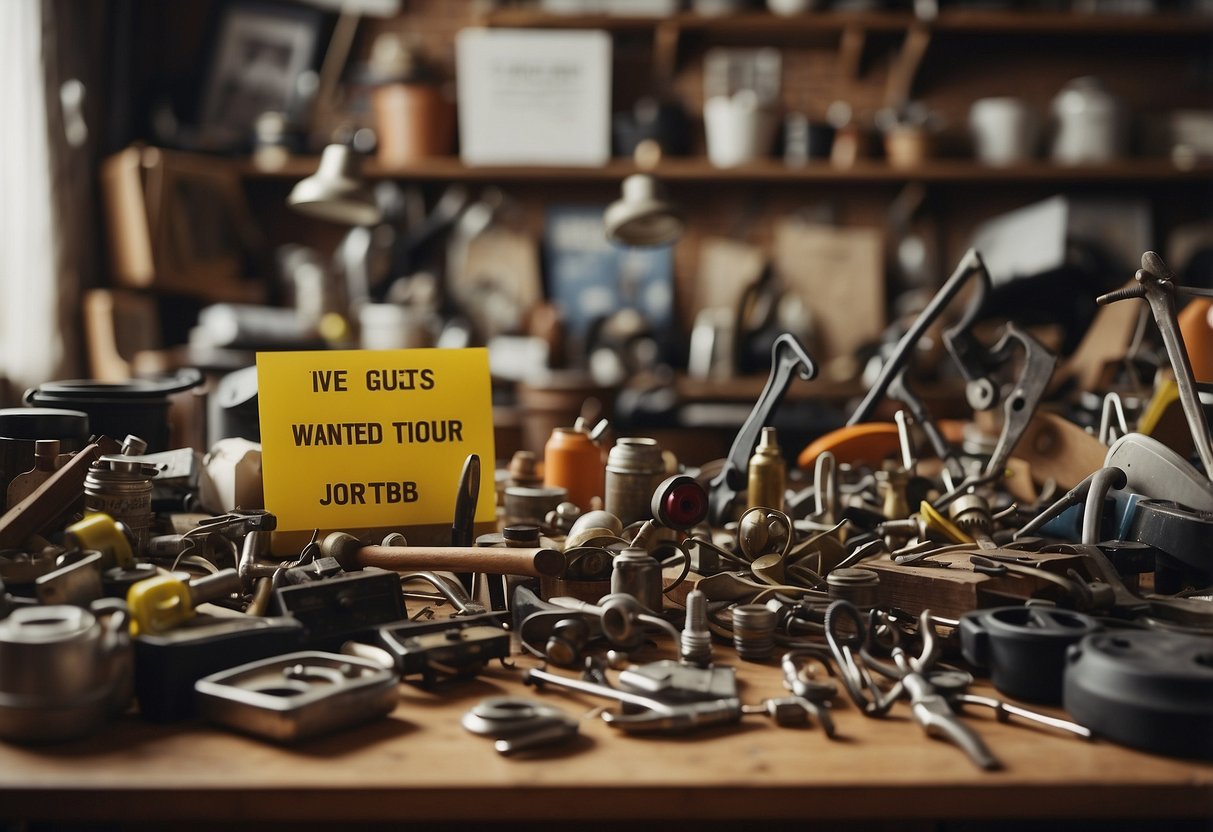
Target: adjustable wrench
<point>654,715</point>
<point>1019,405</point>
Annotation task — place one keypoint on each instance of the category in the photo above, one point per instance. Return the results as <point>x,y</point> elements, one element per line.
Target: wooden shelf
<point>1074,23</point>
<point>767,25</point>
<point>771,171</point>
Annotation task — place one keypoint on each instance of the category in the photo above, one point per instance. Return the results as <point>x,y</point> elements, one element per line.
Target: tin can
<point>572,461</point>
<point>122,488</point>
<point>637,573</point>
<point>754,631</point>
<point>634,469</point>
<point>531,505</point>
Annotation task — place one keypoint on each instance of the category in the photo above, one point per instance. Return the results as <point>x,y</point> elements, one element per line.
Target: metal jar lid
<point>852,577</point>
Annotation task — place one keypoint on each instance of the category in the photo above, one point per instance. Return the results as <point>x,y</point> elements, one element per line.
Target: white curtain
<point>30,348</point>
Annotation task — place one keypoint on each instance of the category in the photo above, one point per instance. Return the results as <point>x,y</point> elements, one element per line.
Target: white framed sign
<point>534,97</point>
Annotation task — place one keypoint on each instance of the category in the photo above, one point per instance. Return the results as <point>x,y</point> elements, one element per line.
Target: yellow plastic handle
<point>158,604</point>
<point>100,532</point>
<point>941,525</point>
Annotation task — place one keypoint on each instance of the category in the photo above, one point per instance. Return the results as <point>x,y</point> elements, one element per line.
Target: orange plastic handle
<point>866,442</point>
<point>1196,326</point>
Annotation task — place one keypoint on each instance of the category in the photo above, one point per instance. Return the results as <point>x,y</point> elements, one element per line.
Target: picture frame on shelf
<point>260,50</point>
<point>534,97</point>
<point>179,224</point>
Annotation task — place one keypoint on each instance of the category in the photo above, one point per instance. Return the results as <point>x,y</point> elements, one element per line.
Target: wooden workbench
<point>420,765</point>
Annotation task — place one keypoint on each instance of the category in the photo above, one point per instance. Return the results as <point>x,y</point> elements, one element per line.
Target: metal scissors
<point>848,637</point>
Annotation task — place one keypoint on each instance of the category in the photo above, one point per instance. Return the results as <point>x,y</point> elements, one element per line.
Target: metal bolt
<point>696,642</point>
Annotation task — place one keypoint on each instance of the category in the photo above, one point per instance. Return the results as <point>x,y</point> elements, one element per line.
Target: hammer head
<point>344,547</point>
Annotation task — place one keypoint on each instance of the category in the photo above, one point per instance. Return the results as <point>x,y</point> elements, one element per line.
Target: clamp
<point>1156,283</point>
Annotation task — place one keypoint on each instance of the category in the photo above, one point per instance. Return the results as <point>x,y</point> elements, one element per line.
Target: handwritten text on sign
<point>369,438</point>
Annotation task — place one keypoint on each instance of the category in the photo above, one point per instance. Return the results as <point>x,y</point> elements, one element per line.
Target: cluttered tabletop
<point>916,622</point>
<point>420,763</point>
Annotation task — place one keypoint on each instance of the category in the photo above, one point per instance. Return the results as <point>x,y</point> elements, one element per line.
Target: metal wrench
<point>653,715</point>
<point>1018,406</point>
<point>932,711</point>
<point>1156,283</point>
<point>971,266</point>
<point>787,356</point>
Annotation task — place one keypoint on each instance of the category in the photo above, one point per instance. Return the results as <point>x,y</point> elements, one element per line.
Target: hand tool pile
<point>1072,566</point>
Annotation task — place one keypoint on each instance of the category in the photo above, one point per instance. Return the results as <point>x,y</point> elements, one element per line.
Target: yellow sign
<point>373,438</point>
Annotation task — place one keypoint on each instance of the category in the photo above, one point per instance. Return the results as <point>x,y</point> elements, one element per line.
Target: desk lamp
<point>643,216</point>
<point>336,192</point>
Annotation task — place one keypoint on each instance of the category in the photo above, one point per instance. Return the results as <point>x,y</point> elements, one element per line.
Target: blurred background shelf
<point>756,226</point>
<point>812,23</point>
<point>767,171</point>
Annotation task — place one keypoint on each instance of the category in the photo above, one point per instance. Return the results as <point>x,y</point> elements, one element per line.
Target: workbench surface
<point>420,764</point>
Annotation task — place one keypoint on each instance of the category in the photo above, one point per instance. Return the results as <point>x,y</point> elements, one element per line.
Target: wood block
<point>953,591</point>
<point>1060,450</point>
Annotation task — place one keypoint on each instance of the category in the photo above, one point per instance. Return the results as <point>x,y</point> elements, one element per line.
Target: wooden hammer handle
<point>47,501</point>
<point>533,563</point>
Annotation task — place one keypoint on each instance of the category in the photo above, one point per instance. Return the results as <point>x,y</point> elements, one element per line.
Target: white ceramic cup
<point>1090,124</point>
<point>386,326</point>
<point>790,7</point>
<point>739,130</point>
<point>1005,130</point>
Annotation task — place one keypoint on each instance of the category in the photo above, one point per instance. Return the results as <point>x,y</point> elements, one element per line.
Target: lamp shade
<point>336,192</point>
<point>643,216</point>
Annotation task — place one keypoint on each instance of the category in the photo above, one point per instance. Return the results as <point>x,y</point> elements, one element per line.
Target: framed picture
<point>260,50</point>
<point>533,97</point>
<point>178,223</point>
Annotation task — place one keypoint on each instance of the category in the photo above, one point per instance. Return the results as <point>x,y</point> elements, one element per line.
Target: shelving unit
<point>851,31</point>
<point>773,171</point>
<point>869,60</point>
<point>1156,64</point>
<point>772,25</point>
